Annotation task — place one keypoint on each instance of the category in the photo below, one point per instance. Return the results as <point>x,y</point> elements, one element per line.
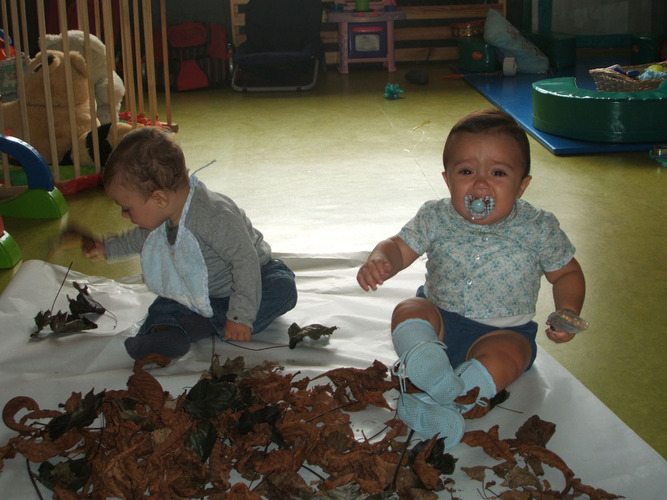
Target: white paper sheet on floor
<point>595,444</point>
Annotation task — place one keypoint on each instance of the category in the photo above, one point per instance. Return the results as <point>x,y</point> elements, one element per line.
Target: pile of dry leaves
<point>248,433</point>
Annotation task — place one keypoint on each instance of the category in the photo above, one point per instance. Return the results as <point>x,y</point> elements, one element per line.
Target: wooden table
<point>344,18</point>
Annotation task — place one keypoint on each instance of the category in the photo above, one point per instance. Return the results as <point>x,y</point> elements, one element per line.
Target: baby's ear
<point>524,184</point>
<point>160,197</point>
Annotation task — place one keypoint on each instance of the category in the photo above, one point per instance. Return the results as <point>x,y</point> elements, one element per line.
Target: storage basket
<point>609,80</point>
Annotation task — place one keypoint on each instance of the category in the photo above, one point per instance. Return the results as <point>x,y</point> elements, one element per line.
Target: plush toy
<point>37,116</point>
<point>97,71</point>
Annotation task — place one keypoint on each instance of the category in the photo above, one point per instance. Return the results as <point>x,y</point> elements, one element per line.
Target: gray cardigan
<point>233,250</point>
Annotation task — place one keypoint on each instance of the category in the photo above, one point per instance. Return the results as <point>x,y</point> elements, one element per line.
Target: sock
<point>197,327</point>
<point>474,374</point>
<point>423,360</point>
<point>411,332</point>
<point>170,341</point>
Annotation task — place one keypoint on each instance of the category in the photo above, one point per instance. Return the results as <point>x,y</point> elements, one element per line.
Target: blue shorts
<point>461,333</point>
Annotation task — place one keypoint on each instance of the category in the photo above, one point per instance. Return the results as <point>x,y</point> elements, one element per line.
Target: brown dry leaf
<point>479,410</point>
<point>240,491</point>
<point>429,475</point>
<point>536,431</point>
<point>593,493</point>
<point>477,472</point>
<point>520,477</point>
<point>21,403</point>
<point>469,397</point>
<point>334,482</point>
<point>141,449</point>
<point>359,382</point>
<point>535,464</point>
<point>550,458</point>
<point>418,494</point>
<point>73,402</point>
<point>490,442</point>
<point>286,484</point>
<point>144,387</point>
<point>271,390</point>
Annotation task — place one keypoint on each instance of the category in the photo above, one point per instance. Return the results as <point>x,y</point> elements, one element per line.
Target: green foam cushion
<point>561,108</point>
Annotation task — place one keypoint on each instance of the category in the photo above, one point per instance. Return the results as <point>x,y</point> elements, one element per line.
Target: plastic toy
<point>392,91</point>
<point>42,199</point>
<point>10,255</point>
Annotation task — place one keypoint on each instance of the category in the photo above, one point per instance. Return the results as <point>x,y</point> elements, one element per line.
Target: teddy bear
<point>37,111</point>
<point>97,71</point>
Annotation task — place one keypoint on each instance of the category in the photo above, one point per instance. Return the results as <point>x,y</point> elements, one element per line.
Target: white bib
<point>177,271</point>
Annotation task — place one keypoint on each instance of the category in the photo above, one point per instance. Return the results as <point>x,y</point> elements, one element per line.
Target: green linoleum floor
<point>342,167</point>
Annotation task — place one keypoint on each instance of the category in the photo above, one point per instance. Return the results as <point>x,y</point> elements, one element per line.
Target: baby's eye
<point>465,171</point>
<point>499,173</point>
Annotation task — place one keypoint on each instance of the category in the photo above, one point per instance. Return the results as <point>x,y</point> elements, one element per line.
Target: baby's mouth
<point>479,208</point>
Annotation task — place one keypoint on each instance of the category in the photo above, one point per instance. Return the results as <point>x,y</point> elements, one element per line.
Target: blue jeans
<point>279,295</point>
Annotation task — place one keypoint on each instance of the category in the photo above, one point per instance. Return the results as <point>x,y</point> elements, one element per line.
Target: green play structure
<point>41,200</point>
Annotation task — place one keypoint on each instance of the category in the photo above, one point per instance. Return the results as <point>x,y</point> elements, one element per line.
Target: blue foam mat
<point>515,95</point>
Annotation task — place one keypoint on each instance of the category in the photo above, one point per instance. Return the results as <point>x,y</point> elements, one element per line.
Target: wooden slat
<point>430,37</point>
<point>423,33</point>
<point>415,12</point>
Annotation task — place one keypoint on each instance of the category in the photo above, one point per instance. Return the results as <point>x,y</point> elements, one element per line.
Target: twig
<point>313,472</point>
<point>61,285</point>
<point>509,409</point>
<point>400,460</point>
<point>369,439</point>
<point>32,480</point>
<point>254,349</point>
<point>329,411</point>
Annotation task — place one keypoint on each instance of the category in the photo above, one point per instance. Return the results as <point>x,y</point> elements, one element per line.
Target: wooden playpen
<point>127,28</point>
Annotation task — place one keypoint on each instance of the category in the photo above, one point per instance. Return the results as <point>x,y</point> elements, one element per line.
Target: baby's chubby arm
<point>389,257</point>
<point>569,290</point>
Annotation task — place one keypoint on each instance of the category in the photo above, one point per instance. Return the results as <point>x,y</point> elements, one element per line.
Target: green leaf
<point>202,441</point>
<point>268,414</point>
<point>314,331</point>
<point>70,474</point>
<point>84,415</point>
<point>209,398</point>
<point>442,461</point>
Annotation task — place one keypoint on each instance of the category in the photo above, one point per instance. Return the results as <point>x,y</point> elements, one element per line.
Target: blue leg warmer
<point>423,360</point>
<point>411,332</point>
<point>474,374</point>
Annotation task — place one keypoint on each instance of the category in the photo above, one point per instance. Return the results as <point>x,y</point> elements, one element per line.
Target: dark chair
<point>283,49</point>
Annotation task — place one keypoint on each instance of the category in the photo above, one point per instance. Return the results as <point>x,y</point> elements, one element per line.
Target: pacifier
<point>478,208</point>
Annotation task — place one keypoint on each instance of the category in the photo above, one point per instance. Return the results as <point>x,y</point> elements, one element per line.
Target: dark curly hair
<point>147,160</point>
<point>491,121</point>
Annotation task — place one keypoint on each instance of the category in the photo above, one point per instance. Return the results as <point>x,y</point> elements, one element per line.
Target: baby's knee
<point>416,308</point>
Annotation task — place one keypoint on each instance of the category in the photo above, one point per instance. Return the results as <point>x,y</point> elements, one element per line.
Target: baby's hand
<point>93,249</point>
<point>236,331</point>
<point>564,325</point>
<point>559,336</point>
<point>373,273</point>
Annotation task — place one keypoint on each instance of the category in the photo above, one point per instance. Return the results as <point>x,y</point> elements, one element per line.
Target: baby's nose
<point>481,185</point>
